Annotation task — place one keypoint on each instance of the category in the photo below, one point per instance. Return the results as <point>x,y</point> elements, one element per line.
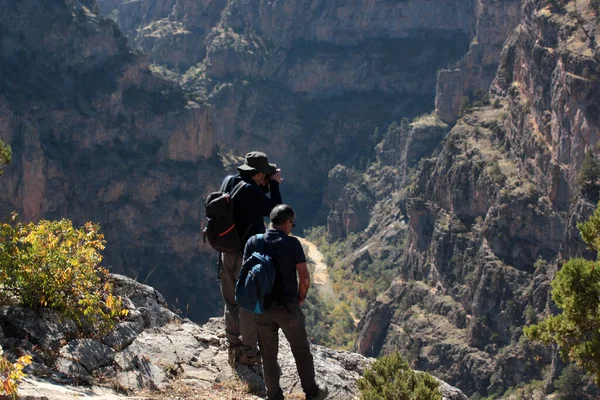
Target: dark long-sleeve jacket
<point>251,204</point>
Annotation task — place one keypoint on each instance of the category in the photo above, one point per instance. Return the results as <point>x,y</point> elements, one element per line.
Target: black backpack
<point>220,229</point>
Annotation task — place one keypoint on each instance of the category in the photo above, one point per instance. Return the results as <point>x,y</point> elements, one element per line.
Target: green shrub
<point>53,264</point>
<point>496,173</point>
<point>391,378</point>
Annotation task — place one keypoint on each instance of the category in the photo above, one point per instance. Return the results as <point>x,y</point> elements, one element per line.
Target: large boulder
<point>41,326</point>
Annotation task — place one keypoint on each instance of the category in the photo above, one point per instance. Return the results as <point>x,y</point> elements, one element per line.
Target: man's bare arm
<point>304,283</point>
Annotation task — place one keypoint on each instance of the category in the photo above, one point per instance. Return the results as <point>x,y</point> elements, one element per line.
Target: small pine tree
<point>391,378</point>
<point>568,385</point>
<point>404,123</point>
<point>576,292</point>
<point>377,135</point>
<point>5,155</point>
<point>589,176</point>
<point>465,105</point>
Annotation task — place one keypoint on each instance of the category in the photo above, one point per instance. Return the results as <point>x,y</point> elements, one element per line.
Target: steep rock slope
<point>484,221</point>
<point>96,136</point>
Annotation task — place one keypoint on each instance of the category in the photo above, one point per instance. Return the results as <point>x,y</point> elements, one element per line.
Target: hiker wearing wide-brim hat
<point>259,162</point>
<point>258,193</point>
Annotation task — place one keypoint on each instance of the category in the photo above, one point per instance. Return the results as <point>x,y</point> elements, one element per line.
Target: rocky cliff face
<point>315,77</point>
<point>96,136</point>
<point>476,70</point>
<point>101,132</point>
<point>491,214</point>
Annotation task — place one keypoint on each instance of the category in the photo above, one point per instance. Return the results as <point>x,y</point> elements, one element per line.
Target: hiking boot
<point>276,396</point>
<point>250,360</point>
<point>320,394</point>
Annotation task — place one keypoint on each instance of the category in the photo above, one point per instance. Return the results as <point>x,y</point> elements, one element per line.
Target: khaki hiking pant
<point>237,320</point>
<point>291,321</point>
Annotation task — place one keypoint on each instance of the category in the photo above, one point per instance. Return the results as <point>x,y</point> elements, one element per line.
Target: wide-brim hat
<point>257,161</point>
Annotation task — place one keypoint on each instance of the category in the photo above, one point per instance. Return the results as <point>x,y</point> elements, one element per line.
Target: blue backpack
<point>255,284</point>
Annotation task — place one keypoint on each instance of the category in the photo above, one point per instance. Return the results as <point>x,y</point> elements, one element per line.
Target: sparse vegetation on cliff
<point>576,292</point>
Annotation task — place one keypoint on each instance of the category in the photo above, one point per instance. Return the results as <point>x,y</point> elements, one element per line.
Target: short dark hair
<point>281,213</point>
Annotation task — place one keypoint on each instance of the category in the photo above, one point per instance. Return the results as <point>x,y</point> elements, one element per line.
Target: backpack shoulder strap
<point>260,239</point>
<point>226,183</point>
<point>241,184</point>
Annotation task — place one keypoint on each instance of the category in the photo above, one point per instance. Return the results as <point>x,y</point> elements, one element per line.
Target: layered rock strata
<point>473,74</point>
<point>308,82</point>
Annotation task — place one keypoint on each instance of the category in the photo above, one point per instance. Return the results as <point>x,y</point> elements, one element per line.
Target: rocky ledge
<point>153,352</point>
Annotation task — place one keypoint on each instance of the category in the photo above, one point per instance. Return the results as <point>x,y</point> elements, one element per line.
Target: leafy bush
<point>391,378</point>
<point>53,264</point>
<point>11,374</point>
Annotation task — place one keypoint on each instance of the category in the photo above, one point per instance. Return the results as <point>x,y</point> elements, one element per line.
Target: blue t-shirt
<point>286,251</point>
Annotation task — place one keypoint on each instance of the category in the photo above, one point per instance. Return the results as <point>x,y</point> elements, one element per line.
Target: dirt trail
<point>320,276</point>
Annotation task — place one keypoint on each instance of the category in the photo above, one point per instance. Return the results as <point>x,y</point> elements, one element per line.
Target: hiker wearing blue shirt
<point>284,308</point>
<point>250,204</point>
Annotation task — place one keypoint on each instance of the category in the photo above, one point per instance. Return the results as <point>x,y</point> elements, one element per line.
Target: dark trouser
<point>237,321</point>
<point>292,324</point>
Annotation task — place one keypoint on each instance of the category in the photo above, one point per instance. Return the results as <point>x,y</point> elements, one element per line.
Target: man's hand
<point>277,176</point>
